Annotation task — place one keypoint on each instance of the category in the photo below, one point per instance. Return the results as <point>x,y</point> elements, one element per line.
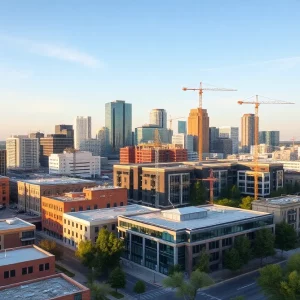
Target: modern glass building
<point>270,138</point>
<point>181,127</point>
<point>162,239</point>
<point>118,121</point>
<point>145,134</point>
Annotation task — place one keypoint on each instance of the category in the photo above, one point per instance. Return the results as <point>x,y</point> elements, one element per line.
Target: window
<point>12,273</point>
<point>113,226</point>
<point>24,271</point>
<point>72,209</point>
<point>72,233</point>
<point>76,234</point>
<point>80,208</point>
<point>6,274</point>
<point>30,270</point>
<point>69,222</point>
<point>108,205</point>
<point>96,229</point>
<point>72,224</point>
<point>68,231</point>
<point>80,227</point>
<point>65,221</point>
<point>213,245</point>
<point>95,206</point>
<point>115,204</point>
<point>121,204</point>
<point>41,267</point>
<point>76,225</point>
<point>88,207</point>
<point>47,266</point>
<point>78,297</point>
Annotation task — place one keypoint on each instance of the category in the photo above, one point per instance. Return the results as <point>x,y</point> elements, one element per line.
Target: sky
<point>62,59</point>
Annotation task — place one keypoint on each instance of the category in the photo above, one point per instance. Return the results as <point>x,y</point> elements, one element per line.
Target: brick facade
<point>4,191</point>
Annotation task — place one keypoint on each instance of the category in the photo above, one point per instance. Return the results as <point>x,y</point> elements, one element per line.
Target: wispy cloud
<point>55,51</point>
<point>286,62</point>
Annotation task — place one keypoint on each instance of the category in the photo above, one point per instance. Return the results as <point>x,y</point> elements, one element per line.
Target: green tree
<point>199,193</point>
<point>51,246</point>
<point>232,260</point>
<point>139,287</point>
<point>99,291</point>
<point>263,244</point>
<point>243,247</point>
<point>235,193</point>
<point>117,279</point>
<point>293,263</point>
<point>86,252</point>
<point>227,202</point>
<point>246,203</point>
<point>188,289</point>
<point>203,262</point>
<point>285,237</point>
<point>174,268</point>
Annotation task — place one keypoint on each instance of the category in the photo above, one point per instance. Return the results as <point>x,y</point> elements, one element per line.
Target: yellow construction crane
<point>173,119</point>
<point>256,104</point>
<point>200,92</point>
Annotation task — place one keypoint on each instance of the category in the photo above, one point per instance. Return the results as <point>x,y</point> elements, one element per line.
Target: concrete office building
<point>75,163</point>
<point>183,140</point>
<point>162,239</point>
<point>233,134</point>
<point>15,232</point>
<point>54,287</point>
<point>3,167</point>
<point>82,130</point>
<point>91,145</point>
<point>158,117</point>
<point>270,138</point>
<point>146,133</point>
<point>53,144</point>
<point>36,135</point>
<point>85,225</point>
<point>22,153</point>
<point>54,207</point>
<point>67,130</point>
<point>181,127</point>
<point>4,191</point>
<point>31,191</point>
<point>248,132</point>
<point>223,145</point>
<point>198,127</point>
<point>118,121</point>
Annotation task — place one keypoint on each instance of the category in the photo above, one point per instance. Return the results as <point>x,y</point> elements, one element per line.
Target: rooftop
<point>283,200</point>
<point>22,254</point>
<point>41,289</point>
<point>105,214</point>
<point>56,180</point>
<point>215,215</point>
<point>13,223</point>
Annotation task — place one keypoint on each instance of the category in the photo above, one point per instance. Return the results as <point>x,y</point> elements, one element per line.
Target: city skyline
<point>49,74</point>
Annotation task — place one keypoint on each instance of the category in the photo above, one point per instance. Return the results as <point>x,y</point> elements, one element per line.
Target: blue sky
<point>59,59</point>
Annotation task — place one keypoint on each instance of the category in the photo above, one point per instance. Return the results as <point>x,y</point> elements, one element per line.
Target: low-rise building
<point>284,208</point>
<point>15,233</point>
<point>53,208</point>
<point>75,163</point>
<point>25,263</point>
<point>163,239</point>
<point>54,287</point>
<point>31,191</point>
<point>85,225</point>
<point>4,191</point>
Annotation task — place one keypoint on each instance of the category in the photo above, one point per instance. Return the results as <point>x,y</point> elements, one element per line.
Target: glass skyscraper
<point>118,121</point>
<point>182,127</point>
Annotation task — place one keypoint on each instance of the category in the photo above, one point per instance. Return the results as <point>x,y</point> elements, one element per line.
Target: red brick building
<point>4,191</point>
<point>25,263</point>
<point>15,233</point>
<point>54,287</point>
<point>142,154</point>
<point>53,208</point>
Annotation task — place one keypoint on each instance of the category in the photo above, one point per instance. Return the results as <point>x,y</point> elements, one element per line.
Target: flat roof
<point>56,180</point>
<point>105,214</point>
<point>43,289</point>
<point>283,200</point>
<point>22,254</point>
<point>216,215</point>
<point>13,223</point>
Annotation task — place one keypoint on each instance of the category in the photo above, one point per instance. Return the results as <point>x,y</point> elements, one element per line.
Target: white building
<point>22,152</point>
<point>91,145</point>
<point>158,117</point>
<point>233,134</point>
<point>82,130</point>
<point>290,165</point>
<point>75,163</point>
<point>186,141</point>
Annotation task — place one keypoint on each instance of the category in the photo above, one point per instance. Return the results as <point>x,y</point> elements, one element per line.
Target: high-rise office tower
<point>158,117</point>
<point>213,136</point>
<point>83,129</point>
<point>181,127</point>
<point>198,126</point>
<point>65,129</point>
<point>233,134</point>
<point>22,152</point>
<point>103,136</point>
<point>118,121</point>
<point>248,132</point>
<point>270,138</point>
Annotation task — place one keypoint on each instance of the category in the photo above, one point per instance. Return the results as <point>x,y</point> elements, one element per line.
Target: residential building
<point>53,144</point>
<point>54,207</point>
<point>75,163</point>
<point>181,127</point>
<point>233,134</point>
<point>146,134</point>
<point>158,117</point>
<point>54,287</point>
<point>248,132</point>
<point>25,263</point>
<point>198,127</point>
<point>31,191</point>
<point>22,153</point>
<point>67,130</point>
<point>213,136</point>
<point>118,121</point>
<point>4,191</point>
<point>223,145</point>
<point>82,130</point>
<point>91,145</point>
<point>103,136</point>
<point>284,208</point>
<point>3,162</point>
<point>270,138</point>
<point>162,239</point>
<point>85,225</point>
<point>185,141</point>
<point>15,232</point>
